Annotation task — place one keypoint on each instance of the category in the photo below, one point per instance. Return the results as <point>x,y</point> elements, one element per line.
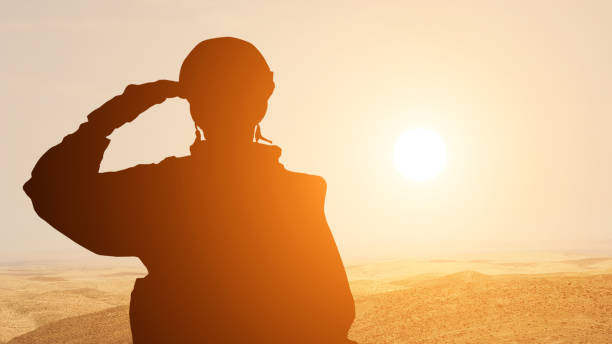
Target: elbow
<point>30,189</point>
<point>63,214</point>
<point>37,196</point>
<point>35,189</point>
<point>27,187</point>
<point>41,196</point>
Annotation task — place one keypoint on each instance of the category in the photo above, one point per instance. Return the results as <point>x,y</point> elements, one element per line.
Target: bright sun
<point>420,154</point>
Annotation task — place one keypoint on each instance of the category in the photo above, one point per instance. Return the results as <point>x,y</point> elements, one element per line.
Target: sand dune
<point>33,296</point>
<point>110,326</point>
<point>549,299</point>
<point>470,307</point>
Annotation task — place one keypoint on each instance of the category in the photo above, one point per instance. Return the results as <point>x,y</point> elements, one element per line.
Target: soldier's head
<point>227,83</point>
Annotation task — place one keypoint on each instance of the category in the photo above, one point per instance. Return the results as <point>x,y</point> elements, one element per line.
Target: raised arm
<point>99,211</point>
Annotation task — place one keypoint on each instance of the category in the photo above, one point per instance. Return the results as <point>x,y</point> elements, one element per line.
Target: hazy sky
<point>519,90</point>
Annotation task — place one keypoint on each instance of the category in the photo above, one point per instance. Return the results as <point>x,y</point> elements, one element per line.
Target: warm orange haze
<point>465,150</point>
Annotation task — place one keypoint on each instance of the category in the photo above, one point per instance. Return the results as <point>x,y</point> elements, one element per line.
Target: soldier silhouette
<point>237,248</point>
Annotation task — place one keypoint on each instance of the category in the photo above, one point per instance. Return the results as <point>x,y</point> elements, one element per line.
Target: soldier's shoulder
<point>309,181</point>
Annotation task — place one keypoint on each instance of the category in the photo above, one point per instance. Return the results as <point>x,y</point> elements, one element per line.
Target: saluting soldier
<point>237,247</point>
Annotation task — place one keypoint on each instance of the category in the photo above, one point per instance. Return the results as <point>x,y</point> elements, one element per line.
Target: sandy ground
<point>518,298</point>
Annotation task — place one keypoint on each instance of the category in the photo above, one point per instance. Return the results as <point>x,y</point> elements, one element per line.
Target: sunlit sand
<point>518,298</point>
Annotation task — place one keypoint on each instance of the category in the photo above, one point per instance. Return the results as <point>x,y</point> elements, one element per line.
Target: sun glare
<point>420,154</point>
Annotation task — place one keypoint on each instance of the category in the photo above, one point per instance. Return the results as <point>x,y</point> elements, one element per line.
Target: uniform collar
<point>249,151</point>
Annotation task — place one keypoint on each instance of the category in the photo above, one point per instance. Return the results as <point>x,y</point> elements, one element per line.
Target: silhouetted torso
<point>237,247</point>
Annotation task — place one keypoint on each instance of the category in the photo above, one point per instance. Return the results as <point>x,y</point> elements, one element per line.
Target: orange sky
<point>520,91</point>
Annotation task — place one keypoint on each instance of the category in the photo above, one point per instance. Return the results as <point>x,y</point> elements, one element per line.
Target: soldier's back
<point>241,252</point>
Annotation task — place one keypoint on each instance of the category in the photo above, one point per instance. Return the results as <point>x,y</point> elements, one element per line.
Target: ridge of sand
<point>108,326</point>
<point>464,307</point>
<point>502,299</point>
<point>32,296</point>
<point>489,309</point>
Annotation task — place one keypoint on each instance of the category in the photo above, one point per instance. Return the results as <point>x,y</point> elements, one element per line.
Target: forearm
<point>80,153</point>
<point>69,169</point>
<point>124,108</point>
<point>67,189</point>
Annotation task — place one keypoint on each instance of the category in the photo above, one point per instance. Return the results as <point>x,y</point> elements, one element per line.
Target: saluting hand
<point>161,88</point>
<point>135,100</point>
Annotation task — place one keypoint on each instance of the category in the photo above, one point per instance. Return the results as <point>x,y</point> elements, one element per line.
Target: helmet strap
<point>258,135</point>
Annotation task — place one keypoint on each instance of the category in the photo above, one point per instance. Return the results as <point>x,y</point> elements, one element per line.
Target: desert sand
<point>515,298</point>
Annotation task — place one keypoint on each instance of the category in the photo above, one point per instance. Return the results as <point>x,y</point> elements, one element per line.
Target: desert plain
<point>502,298</point>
